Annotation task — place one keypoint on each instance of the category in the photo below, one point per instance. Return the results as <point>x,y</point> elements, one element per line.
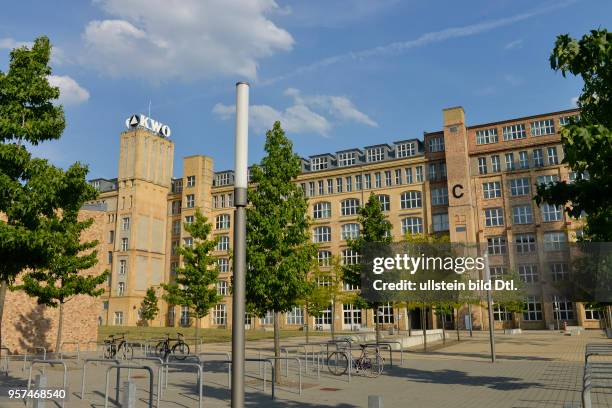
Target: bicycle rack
<point>299,368</point>
<point>264,373</point>
<point>387,346</point>
<point>44,351</point>
<point>95,360</point>
<point>131,367</point>
<point>199,373</point>
<point>229,366</point>
<point>78,350</point>
<point>50,362</point>
<point>5,359</point>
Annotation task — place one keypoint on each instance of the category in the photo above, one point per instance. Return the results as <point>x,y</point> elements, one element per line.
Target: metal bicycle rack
<point>51,363</point>
<point>199,373</point>
<point>228,360</point>
<point>148,369</point>
<point>84,372</point>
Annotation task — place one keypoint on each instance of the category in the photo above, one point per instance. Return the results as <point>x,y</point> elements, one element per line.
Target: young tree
<point>31,190</point>
<point>195,283</point>
<point>315,299</point>
<point>279,250</point>
<point>62,279</point>
<point>149,307</point>
<point>587,141</point>
<point>375,228</point>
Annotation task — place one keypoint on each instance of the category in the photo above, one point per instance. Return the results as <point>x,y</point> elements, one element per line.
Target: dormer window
<point>223,179</point>
<point>346,159</point>
<point>319,163</point>
<point>405,149</point>
<point>375,154</point>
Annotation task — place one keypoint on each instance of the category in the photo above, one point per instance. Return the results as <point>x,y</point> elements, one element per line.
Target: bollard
<point>129,394</point>
<point>375,401</point>
<point>40,383</point>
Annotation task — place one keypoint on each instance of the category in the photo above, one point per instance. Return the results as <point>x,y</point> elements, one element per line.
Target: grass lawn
<point>207,335</point>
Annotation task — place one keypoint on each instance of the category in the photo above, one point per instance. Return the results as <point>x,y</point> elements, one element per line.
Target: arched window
<point>322,210</point>
<point>350,257</point>
<point>322,234</point>
<point>412,225</point>
<point>350,231</point>
<point>350,206</point>
<point>411,199</point>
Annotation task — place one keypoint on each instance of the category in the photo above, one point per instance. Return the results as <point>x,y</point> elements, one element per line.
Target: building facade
<point>474,182</point>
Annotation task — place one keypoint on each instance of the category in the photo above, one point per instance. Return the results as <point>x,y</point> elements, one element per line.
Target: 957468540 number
<point>46,393</point>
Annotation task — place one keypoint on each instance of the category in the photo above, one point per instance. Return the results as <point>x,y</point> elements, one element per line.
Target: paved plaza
<point>535,369</point>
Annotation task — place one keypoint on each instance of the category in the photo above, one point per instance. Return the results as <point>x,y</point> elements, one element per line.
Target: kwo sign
<point>148,123</point>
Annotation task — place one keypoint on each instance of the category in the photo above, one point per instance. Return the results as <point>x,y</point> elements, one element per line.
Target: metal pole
<point>487,273</point>
<point>240,202</point>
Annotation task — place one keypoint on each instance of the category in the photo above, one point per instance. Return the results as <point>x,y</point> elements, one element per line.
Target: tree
<point>195,283</point>
<point>587,140</point>
<point>149,307</point>
<point>375,228</point>
<point>279,250</point>
<point>61,280</point>
<point>316,298</point>
<point>31,190</point>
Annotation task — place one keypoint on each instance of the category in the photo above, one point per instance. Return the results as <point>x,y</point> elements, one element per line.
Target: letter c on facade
<point>457,193</point>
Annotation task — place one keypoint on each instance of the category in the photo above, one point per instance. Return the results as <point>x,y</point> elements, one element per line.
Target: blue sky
<point>337,73</point>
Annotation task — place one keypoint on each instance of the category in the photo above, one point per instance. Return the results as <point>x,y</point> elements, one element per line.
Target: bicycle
<point>123,350</point>
<point>180,350</point>
<point>372,367</point>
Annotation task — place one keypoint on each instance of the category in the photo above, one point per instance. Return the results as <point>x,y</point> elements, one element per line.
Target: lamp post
<point>240,202</point>
<point>487,273</point>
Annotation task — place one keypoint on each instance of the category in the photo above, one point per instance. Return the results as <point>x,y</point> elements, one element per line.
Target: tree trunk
<point>306,320</point>
<point>3,289</point>
<point>471,323</point>
<point>608,308</point>
<point>60,324</point>
<point>443,319</point>
<point>457,324</point>
<point>197,336</point>
<point>408,321</point>
<point>333,319</point>
<point>424,326</point>
<point>377,325</point>
<point>277,362</point>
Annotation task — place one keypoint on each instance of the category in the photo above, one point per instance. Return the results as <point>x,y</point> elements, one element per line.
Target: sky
<point>337,73</point>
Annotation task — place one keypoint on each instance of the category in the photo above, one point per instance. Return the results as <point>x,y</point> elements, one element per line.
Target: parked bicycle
<point>368,363</point>
<point>117,347</point>
<point>180,349</point>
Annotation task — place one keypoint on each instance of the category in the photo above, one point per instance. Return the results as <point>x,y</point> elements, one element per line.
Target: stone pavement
<point>535,369</point>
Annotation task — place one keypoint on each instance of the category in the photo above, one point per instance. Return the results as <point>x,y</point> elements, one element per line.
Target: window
<point>176,227</point>
<point>514,132</point>
<point>110,257</point>
<point>509,161</point>
<point>184,316</point>
<point>122,267</point>
<point>495,164</point>
<point>528,273</point>
<point>398,177</point>
<point>339,185</point>
<point>419,174</point>
<point>318,163</point>
<point>322,210</point>
<point>324,280</point>
<point>111,236</point>
<point>433,172</point>
<point>346,159</point>
<point>223,244</point>
<point>358,185</point>
<point>500,313</point>
<point>533,308</point>
<point>405,150</point>
<point>368,181</point>
<point>188,242</point>
<point>486,136</point>
<point>385,202</point>
<point>384,314</point>
<point>120,288</point>
<point>523,159</point>
<point>190,181</point>
<point>223,179</point>
<point>553,158</point>
<point>522,214</point>
<point>563,308</point>
<point>439,196</point>
<point>436,144</point>
<point>349,231</point>
<point>189,219</point>
<point>388,182</point>
<point>592,314</point>
<point>350,206</point>
<point>267,319</point>
<point>494,217</point>
<point>323,258</point>
<point>322,234</point>
<point>375,154</point>
<point>311,189</point>
<point>440,222</point>
<point>219,314</point>
<point>330,186</point>
<point>351,314</point>
<point>496,245</point>
<point>118,321</point>
<point>349,184</point>
<point>223,265</point>
<point>222,221</point>
<point>542,127</point>
<point>175,246</point>
<point>410,199</point>
<point>550,212</point>
<point>412,225</point>
<point>215,201</point>
<point>222,288</point>
<point>325,318</point>
<point>190,200</point>
<point>547,179</point>
<point>321,187</point>
<point>295,316</point>
<point>173,268</point>
<point>124,244</point>
<point>125,223</point>
<point>497,272</point>
<point>538,158</point>
<point>554,241</point>
<point>377,180</point>
<point>559,271</point>
<point>491,189</point>
<point>525,243</point>
<point>408,172</point>
<point>519,187</point>
<point>482,165</point>
<point>350,257</point>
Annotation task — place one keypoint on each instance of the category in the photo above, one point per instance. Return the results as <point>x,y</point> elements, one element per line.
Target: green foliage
<point>279,250</point>
<point>587,142</point>
<point>195,283</point>
<point>149,307</point>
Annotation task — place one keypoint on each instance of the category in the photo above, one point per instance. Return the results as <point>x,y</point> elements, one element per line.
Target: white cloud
<point>514,44</point>
<point>305,115</point>
<point>71,93</point>
<point>184,39</point>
